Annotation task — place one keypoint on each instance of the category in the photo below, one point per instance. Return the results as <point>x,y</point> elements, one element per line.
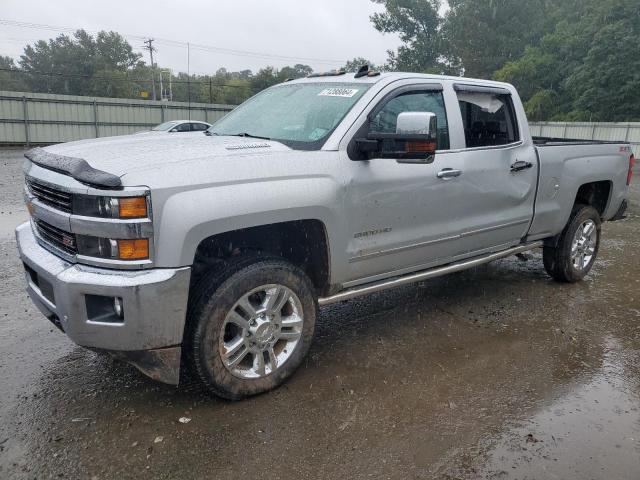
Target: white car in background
<point>181,126</point>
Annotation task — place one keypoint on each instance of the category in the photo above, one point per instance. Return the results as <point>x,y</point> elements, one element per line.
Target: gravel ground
<point>492,373</point>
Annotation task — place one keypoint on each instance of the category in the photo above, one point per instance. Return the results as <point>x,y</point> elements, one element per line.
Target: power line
<point>42,26</point>
<point>195,46</point>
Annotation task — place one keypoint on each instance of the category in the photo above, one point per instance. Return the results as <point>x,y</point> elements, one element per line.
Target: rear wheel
<point>577,248</point>
<point>251,326</point>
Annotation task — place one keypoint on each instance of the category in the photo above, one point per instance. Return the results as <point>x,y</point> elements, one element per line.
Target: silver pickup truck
<point>215,251</point>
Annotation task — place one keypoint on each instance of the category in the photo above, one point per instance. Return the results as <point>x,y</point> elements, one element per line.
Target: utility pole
<point>149,46</point>
<point>189,76</point>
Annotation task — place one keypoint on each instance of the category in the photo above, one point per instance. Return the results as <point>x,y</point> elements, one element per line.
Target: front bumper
<point>154,304</point>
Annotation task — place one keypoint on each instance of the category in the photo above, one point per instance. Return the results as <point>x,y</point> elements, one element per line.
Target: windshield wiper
<point>248,135</point>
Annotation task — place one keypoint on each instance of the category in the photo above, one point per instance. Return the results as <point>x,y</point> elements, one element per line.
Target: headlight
<point>129,249</point>
<point>110,207</point>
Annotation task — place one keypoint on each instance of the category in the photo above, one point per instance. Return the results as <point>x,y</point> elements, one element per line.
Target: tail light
<point>632,162</point>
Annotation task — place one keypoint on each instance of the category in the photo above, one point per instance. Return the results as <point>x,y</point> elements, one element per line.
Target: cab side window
<point>198,127</point>
<point>183,127</point>
<point>488,119</point>
<point>386,119</point>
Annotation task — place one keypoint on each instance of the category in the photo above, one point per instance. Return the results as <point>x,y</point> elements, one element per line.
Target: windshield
<point>299,115</point>
<point>163,127</point>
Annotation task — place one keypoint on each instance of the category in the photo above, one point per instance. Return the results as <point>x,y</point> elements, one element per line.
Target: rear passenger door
<point>499,172</point>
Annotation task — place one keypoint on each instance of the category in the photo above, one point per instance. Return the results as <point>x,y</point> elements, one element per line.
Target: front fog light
<point>128,249</point>
<point>118,307</point>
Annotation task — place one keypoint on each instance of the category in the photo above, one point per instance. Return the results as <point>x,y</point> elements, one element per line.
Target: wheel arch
<point>304,243</point>
<point>595,194</point>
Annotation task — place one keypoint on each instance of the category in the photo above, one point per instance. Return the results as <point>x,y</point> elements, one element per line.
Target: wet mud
<point>497,372</point>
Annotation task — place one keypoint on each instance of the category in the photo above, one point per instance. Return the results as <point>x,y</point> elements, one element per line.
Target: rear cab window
<point>488,116</point>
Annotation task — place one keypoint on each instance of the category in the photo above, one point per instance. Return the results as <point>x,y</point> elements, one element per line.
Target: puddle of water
<point>593,432</point>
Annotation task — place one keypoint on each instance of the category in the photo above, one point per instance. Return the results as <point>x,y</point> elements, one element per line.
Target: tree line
<point>106,65</point>
<point>576,60</point>
<point>572,60</point>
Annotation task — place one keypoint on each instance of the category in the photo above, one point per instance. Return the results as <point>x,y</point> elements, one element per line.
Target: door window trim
<point>506,146</point>
<point>464,87</point>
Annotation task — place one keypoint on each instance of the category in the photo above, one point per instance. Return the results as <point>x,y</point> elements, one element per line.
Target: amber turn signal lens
<point>133,249</point>
<point>133,207</point>
<point>420,147</point>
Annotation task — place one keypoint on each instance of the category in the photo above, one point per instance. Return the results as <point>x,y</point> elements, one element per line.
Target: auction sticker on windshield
<point>338,92</point>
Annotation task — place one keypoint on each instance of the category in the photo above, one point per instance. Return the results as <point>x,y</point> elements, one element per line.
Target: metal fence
<point>625,132</point>
<point>37,118</point>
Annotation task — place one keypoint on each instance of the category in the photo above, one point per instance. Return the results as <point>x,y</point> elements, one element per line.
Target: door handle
<point>520,165</point>
<point>449,173</point>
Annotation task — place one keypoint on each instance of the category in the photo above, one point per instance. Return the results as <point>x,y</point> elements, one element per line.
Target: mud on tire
<point>559,261</point>
<point>212,300</point>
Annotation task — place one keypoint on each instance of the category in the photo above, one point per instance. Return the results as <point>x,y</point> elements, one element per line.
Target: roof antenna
<point>363,71</point>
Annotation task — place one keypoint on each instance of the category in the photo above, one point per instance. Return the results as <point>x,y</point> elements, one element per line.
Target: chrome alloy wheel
<point>583,247</point>
<point>261,331</point>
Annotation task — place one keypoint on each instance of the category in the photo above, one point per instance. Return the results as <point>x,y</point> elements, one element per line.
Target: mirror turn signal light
<point>133,207</point>
<point>137,249</point>
<point>420,146</point>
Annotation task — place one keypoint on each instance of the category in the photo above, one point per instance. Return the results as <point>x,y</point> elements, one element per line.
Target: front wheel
<point>573,257</point>
<point>252,326</point>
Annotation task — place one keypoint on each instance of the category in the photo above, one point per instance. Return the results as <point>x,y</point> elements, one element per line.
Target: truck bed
<point>563,172</point>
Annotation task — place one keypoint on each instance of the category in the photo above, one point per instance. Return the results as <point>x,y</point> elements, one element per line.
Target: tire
<point>224,317</point>
<point>573,257</point>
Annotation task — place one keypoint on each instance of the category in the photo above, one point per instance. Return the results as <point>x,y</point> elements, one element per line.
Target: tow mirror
<point>415,140</point>
<point>416,123</point>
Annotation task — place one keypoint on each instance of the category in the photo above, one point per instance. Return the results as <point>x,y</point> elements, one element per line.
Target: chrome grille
<point>51,196</point>
<point>56,237</point>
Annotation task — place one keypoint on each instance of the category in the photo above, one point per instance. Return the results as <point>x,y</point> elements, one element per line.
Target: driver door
<point>403,217</point>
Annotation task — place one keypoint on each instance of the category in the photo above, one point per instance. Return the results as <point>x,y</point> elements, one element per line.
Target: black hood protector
<point>77,168</point>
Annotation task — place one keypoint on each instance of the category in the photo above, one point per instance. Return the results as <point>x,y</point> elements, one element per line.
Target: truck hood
<point>135,153</point>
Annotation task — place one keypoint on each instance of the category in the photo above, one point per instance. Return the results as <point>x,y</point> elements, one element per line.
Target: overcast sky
<point>323,33</point>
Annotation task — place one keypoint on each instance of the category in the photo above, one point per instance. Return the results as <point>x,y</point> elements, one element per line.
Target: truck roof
<point>388,77</point>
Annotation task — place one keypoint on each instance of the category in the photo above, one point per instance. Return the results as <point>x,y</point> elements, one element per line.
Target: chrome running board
<point>424,275</point>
